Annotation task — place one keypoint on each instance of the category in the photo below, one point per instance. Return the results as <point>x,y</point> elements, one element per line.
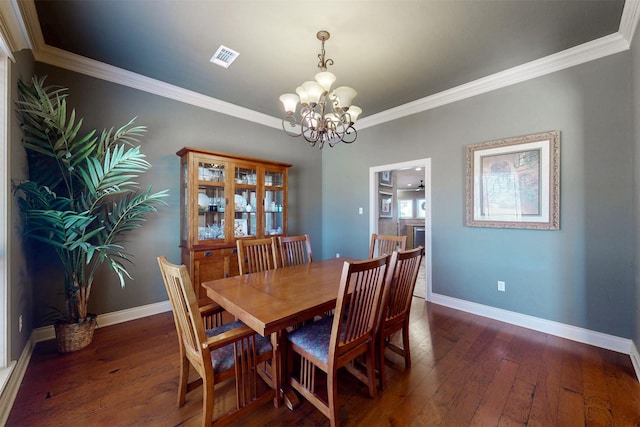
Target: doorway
<point>390,209</point>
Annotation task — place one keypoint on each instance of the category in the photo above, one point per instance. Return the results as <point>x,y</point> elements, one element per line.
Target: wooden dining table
<point>271,301</point>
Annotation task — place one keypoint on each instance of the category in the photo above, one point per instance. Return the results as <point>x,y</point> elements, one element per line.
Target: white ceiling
<point>396,54</point>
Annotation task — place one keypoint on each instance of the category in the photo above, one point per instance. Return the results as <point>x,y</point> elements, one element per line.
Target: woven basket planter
<point>74,336</point>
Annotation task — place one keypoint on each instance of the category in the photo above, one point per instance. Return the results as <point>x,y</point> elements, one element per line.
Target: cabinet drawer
<point>213,264</point>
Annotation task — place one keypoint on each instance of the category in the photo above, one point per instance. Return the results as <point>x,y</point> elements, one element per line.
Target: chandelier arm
<point>290,122</point>
<point>350,131</point>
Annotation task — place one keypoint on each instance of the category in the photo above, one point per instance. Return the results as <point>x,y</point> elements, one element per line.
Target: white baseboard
<point>47,332</point>
<point>635,359</point>
<point>574,333</point>
<point>9,393</point>
<point>598,339</point>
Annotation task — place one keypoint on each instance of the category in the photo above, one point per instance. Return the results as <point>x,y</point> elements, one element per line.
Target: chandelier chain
<point>322,65</point>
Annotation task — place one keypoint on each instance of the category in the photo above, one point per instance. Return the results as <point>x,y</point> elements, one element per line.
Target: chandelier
<point>326,116</point>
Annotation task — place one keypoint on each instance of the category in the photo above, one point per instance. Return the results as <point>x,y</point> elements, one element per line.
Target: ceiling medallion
<point>326,116</point>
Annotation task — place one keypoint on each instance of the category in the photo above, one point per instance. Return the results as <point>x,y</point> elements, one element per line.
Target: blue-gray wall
<point>173,125</point>
<point>581,275</point>
<point>635,54</point>
<point>20,292</point>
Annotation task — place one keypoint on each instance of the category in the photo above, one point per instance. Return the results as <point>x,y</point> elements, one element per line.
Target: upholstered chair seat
<point>224,358</point>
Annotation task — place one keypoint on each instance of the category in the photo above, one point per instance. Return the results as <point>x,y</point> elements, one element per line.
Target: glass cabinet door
<point>211,201</point>
<point>244,202</point>
<point>273,203</point>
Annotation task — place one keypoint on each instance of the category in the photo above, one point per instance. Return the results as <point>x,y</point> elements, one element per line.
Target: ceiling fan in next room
<point>421,186</point>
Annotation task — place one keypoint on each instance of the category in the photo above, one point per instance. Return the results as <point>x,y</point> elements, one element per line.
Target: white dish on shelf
<point>205,174</point>
<point>203,201</point>
<point>240,227</point>
<point>240,202</point>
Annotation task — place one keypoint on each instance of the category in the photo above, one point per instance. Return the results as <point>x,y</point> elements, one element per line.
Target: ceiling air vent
<point>224,56</point>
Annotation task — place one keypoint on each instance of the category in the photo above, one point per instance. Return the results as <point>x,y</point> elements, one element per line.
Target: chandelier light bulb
<point>290,102</point>
<point>344,96</point>
<point>304,99</point>
<point>314,91</point>
<point>354,112</point>
<point>325,79</point>
<point>326,117</point>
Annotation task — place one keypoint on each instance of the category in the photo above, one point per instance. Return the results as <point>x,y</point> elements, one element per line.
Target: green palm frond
<point>82,197</point>
<point>127,135</point>
<point>128,213</point>
<point>114,172</point>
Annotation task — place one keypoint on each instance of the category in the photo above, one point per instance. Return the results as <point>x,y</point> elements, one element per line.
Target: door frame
<point>373,207</point>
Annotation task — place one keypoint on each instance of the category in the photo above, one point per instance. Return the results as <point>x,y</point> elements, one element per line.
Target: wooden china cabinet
<point>225,197</point>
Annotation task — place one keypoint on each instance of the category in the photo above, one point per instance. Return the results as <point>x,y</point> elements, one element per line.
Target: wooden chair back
<point>186,314</point>
<point>255,255</point>
<point>403,282</point>
<point>230,351</point>
<point>396,305</point>
<point>351,333</point>
<point>382,244</point>
<point>357,309</point>
<point>295,250</point>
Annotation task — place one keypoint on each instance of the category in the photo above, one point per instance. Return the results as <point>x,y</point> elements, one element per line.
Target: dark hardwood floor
<point>467,370</point>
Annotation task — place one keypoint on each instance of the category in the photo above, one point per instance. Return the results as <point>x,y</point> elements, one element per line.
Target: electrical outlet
<point>337,255</point>
<point>360,211</point>
<point>501,286</point>
<point>20,323</point>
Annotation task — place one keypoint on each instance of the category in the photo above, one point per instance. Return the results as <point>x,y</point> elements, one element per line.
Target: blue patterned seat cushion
<point>223,358</point>
<point>314,338</point>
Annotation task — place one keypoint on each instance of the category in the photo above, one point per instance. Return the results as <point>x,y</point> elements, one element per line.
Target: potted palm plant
<point>81,198</point>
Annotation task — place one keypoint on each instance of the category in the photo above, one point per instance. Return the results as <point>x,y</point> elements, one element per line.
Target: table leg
<point>276,343</point>
<point>284,393</point>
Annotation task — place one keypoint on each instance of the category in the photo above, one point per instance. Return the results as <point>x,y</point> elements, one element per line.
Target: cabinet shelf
<point>230,183</point>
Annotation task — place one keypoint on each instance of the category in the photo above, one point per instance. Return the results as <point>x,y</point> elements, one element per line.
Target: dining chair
<point>382,244</point>
<point>396,306</point>
<point>255,255</point>
<point>229,351</point>
<point>333,342</point>
<point>212,313</point>
<point>295,250</point>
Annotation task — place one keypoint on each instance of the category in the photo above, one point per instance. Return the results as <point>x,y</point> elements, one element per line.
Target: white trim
<point>13,35</point>
<point>47,332</point>
<point>629,19</point>
<point>5,373</point>
<point>599,48</point>
<point>635,359</point>
<point>90,67</point>
<point>574,333</point>
<point>8,396</point>
<point>9,391</point>
<point>581,54</point>
<point>597,339</point>
<point>373,208</point>
<point>5,320</point>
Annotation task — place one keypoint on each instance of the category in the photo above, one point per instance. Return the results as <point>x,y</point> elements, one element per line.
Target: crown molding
<point>596,49</point>
<point>70,61</point>
<point>629,19</point>
<point>13,34</point>
<point>581,54</point>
